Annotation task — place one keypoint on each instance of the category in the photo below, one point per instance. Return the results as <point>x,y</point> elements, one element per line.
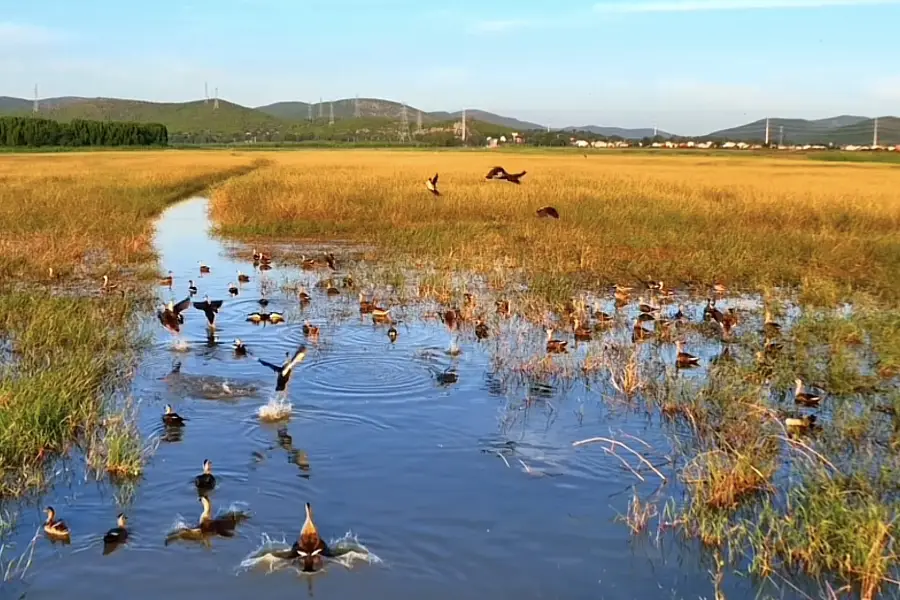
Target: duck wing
<point>181,305</point>
<point>297,358</point>
<point>274,367</point>
<point>492,174</point>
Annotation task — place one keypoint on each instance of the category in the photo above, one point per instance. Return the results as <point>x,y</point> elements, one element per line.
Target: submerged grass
<point>747,223</point>
<point>64,345</point>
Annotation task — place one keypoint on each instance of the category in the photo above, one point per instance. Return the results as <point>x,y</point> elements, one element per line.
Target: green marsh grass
<point>64,345</point>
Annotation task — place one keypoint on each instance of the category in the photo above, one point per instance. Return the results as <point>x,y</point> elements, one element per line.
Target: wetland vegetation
<point>812,246</point>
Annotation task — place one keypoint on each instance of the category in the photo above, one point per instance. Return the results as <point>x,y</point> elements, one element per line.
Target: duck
<point>203,268</point>
<point>392,334</point>
<point>664,291</point>
<point>240,349</point>
<point>646,307</point>
<point>469,299</point>
<point>264,302</point>
<point>329,260</point>
<point>309,329</point>
<point>381,315</point>
<point>107,286</point>
<point>172,418</point>
<point>582,334</point>
<point>285,369</point>
<point>170,315</point>
<point>262,257</point>
<point>223,525</point>
<point>547,212</point>
<point>309,547</point>
<point>303,296</point>
<point>275,318</point>
<point>600,315</point>
<point>638,332</point>
<point>719,288</point>
<point>242,277</point>
<point>365,306</point>
<point>331,289</point>
<point>307,263</point>
<point>683,359</point>
<point>804,398</point>
<point>167,280</point>
<point>431,184</point>
<point>447,377</point>
<point>730,318</point>
<point>800,423</point>
<point>679,314</point>
<point>770,325</point>
<point>348,281</point>
<point>645,317</point>
<point>481,329</point>
<point>119,533</point>
<point>205,481</point>
<point>233,289</point>
<point>502,307</point>
<point>450,317</point>
<point>555,346</point>
<point>192,289</point>
<point>501,173</point>
<point>210,308</point>
<point>257,317</point>
<point>53,527</point>
<point>711,312</point>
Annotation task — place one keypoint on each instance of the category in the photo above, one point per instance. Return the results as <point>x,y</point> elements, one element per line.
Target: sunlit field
<point>747,223</point>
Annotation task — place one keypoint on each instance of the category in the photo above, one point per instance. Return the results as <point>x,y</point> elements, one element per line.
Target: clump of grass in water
<point>117,448</point>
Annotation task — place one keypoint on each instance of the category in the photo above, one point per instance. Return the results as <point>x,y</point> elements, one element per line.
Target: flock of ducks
<point>497,173</point>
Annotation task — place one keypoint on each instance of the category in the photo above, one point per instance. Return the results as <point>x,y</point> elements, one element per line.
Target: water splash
<point>278,408</point>
<point>348,549</point>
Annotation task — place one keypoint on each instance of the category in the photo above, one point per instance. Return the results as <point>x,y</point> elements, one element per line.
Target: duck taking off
<point>431,184</point>
<point>170,315</point>
<point>210,308</point>
<point>285,369</point>
<point>501,173</point>
<point>547,211</point>
<point>309,547</point>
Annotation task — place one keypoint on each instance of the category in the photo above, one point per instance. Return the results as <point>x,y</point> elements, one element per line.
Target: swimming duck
<point>804,398</point>
<point>223,525</point>
<point>203,268</point>
<point>638,332</point>
<point>501,173</point>
<point>719,288</point>
<point>600,315</point>
<point>711,312</point>
<point>205,481</point>
<point>166,280</point>
<point>331,290</point>
<point>547,212</point>
<point>307,263</point>
<point>447,376</point>
<point>170,315</point>
<point>233,289</point>
<point>348,281</point>
<point>242,277</point>
<point>800,423</point>
<point>431,184</point>
<point>285,369</point>
<point>664,291</point>
<point>502,307</point>
<point>172,418</point>
<point>481,329</point>
<point>582,334</point>
<point>303,296</point>
<point>210,308</point>
<point>555,346</point>
<point>645,316</point>
<point>309,329</point>
<point>646,307</point>
<point>679,314</point>
<point>381,315</point>
<point>119,533</point>
<point>240,349</point>
<point>261,256</point>
<point>264,302</point>
<point>309,547</point>
<point>329,260</point>
<point>54,528</point>
<point>683,359</point>
<point>365,306</point>
<point>450,317</point>
<point>730,318</point>
<point>192,289</point>
<point>392,333</point>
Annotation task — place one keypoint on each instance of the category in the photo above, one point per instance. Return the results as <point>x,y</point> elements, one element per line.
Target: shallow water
<point>456,490</point>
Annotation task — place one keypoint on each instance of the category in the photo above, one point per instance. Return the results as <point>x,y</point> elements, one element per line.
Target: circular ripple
<point>368,375</point>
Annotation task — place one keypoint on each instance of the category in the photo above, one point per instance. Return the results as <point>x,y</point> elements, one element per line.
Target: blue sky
<point>688,66</point>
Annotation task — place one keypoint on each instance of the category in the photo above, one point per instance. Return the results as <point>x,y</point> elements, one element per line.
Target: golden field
<point>746,222</point>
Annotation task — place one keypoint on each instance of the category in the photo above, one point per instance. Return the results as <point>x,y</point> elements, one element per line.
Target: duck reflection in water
<point>295,456</point>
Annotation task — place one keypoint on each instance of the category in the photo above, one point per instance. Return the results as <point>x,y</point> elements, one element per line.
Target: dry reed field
<point>64,345</point>
<point>744,222</point>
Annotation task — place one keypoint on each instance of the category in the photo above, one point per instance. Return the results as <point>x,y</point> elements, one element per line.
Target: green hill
<point>344,108</point>
<point>844,129</point>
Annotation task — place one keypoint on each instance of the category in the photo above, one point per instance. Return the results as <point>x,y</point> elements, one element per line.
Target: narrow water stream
<point>383,451</point>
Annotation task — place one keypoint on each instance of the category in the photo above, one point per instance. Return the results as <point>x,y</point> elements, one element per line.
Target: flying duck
<point>170,315</point>
<point>431,184</point>
<point>209,308</point>
<point>285,369</point>
<point>547,211</point>
<point>501,173</point>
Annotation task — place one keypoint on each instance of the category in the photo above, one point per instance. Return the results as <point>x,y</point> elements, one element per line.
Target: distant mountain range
<point>232,119</point>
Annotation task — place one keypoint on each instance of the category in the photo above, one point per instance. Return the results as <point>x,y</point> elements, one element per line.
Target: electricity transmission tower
<point>767,131</point>
<point>356,107</point>
<point>216,101</point>
<point>309,116</point>
<point>321,108</point>
<point>419,122</point>
<point>464,126</point>
<point>331,113</point>
<point>205,92</point>
<point>874,133</point>
<point>34,108</point>
<point>404,123</point>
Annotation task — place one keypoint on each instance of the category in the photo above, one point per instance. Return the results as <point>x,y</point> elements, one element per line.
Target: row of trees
<point>29,131</point>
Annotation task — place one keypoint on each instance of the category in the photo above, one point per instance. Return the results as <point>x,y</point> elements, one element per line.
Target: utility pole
<point>767,131</point>
<point>874,133</point>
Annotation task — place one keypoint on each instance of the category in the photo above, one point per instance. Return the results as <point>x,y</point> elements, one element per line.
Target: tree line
<point>29,131</point>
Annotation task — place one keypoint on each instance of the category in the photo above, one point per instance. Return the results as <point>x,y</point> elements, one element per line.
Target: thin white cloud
<point>21,34</point>
<point>664,6</point>
<point>498,25</point>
